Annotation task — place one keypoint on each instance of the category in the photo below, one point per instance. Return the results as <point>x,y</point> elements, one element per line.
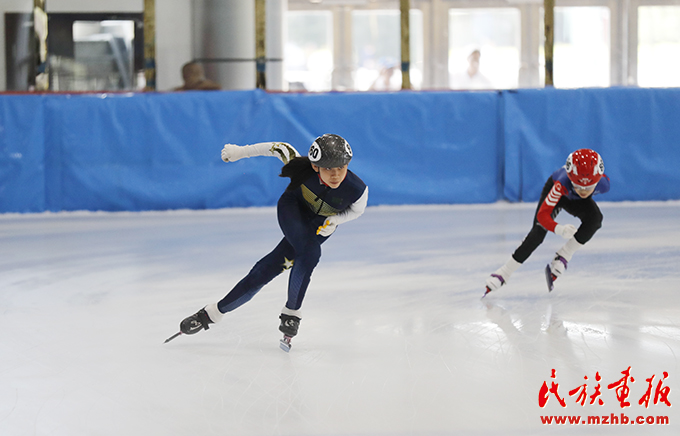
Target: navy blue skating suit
<point>558,193</point>
<point>300,211</point>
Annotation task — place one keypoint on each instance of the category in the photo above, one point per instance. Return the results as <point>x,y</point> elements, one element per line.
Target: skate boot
<point>195,323</point>
<point>289,325</point>
<point>501,275</point>
<point>556,268</point>
<point>494,282</point>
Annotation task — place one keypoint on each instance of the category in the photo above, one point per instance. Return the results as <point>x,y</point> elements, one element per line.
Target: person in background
<point>471,78</point>
<point>195,80</point>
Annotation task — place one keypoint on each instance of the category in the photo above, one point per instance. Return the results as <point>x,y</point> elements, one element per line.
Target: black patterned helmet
<point>330,151</point>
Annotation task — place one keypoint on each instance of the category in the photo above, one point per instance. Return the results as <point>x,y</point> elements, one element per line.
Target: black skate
<point>195,323</point>
<point>289,327</point>
<point>192,324</point>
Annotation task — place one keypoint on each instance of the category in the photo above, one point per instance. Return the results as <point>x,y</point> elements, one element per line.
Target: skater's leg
<point>301,274</point>
<point>300,232</point>
<point>264,271</point>
<point>537,233</point>
<point>591,221</point>
<point>590,215</point>
<point>531,241</point>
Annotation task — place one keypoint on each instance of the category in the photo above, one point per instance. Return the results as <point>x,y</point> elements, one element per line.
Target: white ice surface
<point>395,339</point>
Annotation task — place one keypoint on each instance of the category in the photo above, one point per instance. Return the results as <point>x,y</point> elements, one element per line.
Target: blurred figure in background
<point>471,78</point>
<point>194,79</point>
<point>389,79</point>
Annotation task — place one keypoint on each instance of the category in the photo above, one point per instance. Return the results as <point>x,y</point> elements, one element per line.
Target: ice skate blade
<point>285,344</point>
<point>549,278</point>
<point>172,337</point>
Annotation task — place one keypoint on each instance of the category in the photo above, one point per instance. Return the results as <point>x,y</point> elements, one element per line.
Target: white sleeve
<point>282,150</point>
<point>354,211</point>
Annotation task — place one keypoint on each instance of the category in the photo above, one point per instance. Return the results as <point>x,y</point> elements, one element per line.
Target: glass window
<point>308,53</point>
<point>658,46</point>
<point>376,49</point>
<point>581,47</point>
<point>484,48</point>
<point>103,57</point>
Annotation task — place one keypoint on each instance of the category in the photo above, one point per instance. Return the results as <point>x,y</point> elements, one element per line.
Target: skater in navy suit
<point>322,194</point>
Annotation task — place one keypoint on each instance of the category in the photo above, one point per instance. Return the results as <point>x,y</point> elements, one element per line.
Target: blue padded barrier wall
<point>162,151</point>
<point>637,132</point>
<point>409,148</point>
<point>22,154</point>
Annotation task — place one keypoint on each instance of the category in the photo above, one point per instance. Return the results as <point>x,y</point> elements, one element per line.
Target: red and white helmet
<point>584,168</point>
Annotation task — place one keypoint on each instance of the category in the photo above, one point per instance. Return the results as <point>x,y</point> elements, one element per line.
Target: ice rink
<point>395,339</point>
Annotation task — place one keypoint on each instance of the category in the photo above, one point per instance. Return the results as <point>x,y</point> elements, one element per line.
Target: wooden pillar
<point>41,79</point>
<point>549,7</point>
<point>405,8</point>
<point>150,44</point>
<point>260,46</point>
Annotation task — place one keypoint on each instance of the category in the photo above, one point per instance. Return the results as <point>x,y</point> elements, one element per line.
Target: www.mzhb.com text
<point>613,419</point>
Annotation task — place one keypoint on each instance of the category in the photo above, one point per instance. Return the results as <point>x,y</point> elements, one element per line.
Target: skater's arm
<point>544,215</point>
<point>282,150</point>
<point>353,211</point>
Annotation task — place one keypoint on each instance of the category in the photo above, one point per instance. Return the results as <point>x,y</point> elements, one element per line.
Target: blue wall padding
<point>22,154</point>
<point>160,151</point>
<point>637,132</point>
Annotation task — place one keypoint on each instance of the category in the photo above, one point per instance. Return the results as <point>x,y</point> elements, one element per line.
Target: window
<point>376,49</point>
<point>308,58</point>
<point>658,46</point>
<point>581,47</point>
<point>484,48</point>
<point>103,58</point>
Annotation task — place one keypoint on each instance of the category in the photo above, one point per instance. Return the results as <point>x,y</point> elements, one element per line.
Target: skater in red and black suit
<point>571,188</point>
<point>322,194</point>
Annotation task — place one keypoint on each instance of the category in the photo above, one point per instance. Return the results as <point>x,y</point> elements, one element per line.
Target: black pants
<point>584,209</point>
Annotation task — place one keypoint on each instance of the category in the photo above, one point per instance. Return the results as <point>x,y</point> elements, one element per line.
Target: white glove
<point>326,229</point>
<point>566,231</point>
<point>232,153</point>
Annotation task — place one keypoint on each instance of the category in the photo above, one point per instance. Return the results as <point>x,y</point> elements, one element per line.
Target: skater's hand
<point>230,153</point>
<point>326,229</point>
<point>566,231</point>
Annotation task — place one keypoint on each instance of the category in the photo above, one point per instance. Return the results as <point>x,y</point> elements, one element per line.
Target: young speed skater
<point>570,188</point>
<point>322,194</point>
